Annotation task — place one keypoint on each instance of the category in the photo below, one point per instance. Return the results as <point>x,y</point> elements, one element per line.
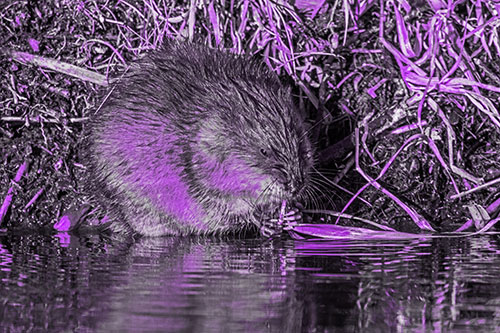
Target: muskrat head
<point>255,146</point>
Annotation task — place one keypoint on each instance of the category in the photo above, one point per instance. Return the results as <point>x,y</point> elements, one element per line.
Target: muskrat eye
<point>263,152</point>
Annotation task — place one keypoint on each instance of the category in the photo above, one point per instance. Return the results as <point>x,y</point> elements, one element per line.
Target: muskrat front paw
<point>270,227</point>
<point>273,227</point>
<point>267,232</point>
<point>292,218</point>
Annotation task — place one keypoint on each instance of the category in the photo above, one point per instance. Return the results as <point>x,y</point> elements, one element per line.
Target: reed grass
<point>414,87</point>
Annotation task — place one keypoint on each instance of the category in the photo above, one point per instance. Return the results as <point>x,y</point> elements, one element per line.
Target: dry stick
<point>8,198</point>
<point>486,106</point>
<point>490,209</point>
<point>348,216</point>
<point>417,218</point>
<point>451,139</point>
<point>441,161</point>
<point>37,194</point>
<point>61,67</point>
<point>364,123</point>
<point>191,19</point>
<point>214,20</point>
<point>486,227</point>
<point>407,128</point>
<point>477,188</point>
<point>37,119</point>
<point>347,167</point>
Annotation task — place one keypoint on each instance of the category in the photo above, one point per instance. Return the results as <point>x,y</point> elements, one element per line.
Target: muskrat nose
<point>295,185</point>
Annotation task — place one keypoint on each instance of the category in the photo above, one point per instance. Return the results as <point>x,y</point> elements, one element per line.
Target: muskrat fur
<point>193,140</point>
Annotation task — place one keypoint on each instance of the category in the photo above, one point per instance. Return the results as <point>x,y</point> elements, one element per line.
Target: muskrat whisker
<point>320,182</point>
<point>323,172</point>
<point>332,183</point>
<point>329,181</point>
<point>314,200</point>
<point>306,196</point>
<point>266,189</point>
<point>324,185</point>
<point>318,172</point>
<point>254,204</point>
<point>315,187</point>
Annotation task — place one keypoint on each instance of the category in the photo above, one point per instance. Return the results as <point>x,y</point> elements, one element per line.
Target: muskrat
<point>194,140</point>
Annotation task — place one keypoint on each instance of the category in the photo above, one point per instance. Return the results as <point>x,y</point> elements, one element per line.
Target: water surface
<point>234,285</point>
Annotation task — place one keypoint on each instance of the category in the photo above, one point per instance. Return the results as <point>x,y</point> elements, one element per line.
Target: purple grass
<point>335,232</point>
<point>423,82</point>
<point>10,193</point>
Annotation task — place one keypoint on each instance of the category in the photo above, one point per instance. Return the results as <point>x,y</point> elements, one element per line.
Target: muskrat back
<point>193,140</point>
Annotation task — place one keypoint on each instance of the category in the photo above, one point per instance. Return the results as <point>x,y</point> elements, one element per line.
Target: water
<point>221,285</point>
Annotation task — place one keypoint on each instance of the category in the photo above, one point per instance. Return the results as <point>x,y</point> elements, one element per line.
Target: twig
<point>416,217</point>
<point>37,119</point>
<point>477,188</point>
<point>60,67</point>
<point>37,194</point>
<point>8,197</point>
<point>348,216</point>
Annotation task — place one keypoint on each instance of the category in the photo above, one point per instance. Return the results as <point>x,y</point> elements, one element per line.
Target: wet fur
<point>176,148</point>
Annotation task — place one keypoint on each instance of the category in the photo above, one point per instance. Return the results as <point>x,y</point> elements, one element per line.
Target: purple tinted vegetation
<point>63,224</point>
<point>35,45</point>
<point>421,79</point>
<point>10,192</point>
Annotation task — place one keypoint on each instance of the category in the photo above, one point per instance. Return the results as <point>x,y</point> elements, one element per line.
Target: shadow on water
<point>216,285</point>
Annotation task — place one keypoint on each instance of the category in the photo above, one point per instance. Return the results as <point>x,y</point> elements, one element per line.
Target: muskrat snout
<point>296,188</point>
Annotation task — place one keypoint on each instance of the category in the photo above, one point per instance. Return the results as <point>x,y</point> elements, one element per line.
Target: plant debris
<point>402,97</point>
